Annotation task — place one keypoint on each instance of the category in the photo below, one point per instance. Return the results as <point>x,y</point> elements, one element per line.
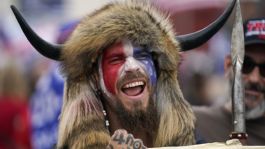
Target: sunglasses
<point>249,64</point>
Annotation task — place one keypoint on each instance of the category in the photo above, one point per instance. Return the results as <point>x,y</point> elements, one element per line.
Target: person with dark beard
<point>215,123</point>
<point>121,79</point>
<point>128,79</point>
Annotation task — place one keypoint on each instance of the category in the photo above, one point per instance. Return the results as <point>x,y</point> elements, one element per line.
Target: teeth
<point>134,84</point>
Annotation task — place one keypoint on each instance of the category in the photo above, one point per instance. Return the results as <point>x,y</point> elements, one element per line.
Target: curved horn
<point>45,48</point>
<point>193,40</point>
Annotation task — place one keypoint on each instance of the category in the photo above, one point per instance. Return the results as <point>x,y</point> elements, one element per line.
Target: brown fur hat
<point>144,25</point>
<point>82,123</point>
<point>136,21</point>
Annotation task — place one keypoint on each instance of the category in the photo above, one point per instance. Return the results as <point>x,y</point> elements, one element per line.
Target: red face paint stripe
<point>110,70</point>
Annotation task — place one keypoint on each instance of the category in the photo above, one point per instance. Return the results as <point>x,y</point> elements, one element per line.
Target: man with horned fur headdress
<point>120,67</point>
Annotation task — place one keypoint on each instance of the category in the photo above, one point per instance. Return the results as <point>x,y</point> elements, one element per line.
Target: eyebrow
<point>114,52</point>
<point>141,49</point>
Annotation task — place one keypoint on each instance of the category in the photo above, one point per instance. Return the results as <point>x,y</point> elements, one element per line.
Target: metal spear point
<point>237,54</point>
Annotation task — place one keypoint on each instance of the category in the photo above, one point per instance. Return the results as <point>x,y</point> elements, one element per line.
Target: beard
<point>138,119</point>
<point>256,112</point>
<point>259,109</point>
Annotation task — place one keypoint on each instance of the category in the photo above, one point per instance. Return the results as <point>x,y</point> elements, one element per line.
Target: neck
<point>142,133</point>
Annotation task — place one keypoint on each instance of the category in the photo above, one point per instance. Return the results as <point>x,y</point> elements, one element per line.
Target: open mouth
<point>133,88</point>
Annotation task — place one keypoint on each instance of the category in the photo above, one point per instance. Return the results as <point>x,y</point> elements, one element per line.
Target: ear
<point>227,63</point>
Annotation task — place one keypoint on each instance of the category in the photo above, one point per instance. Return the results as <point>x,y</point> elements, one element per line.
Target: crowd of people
<point>128,94</point>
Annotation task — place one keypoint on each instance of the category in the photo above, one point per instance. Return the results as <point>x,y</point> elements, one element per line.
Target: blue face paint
<point>145,57</point>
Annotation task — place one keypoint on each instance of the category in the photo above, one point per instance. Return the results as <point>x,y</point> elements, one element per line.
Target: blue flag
<point>46,105</point>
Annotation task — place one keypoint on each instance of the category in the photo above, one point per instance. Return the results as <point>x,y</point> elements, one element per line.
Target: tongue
<point>133,91</point>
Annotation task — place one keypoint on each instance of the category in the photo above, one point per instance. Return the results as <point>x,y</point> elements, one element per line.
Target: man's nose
<point>131,65</point>
<point>255,76</point>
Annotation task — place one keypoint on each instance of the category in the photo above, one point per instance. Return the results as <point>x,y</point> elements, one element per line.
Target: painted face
<point>254,80</point>
<point>128,74</point>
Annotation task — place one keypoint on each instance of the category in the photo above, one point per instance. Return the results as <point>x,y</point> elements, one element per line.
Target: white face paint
<point>127,74</point>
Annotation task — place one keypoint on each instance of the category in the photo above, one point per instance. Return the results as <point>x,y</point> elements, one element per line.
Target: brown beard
<point>138,119</point>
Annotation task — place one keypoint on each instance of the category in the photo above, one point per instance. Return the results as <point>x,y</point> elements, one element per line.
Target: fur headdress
<point>82,121</point>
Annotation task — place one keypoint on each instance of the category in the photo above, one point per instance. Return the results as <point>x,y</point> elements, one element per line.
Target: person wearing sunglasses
<point>214,124</point>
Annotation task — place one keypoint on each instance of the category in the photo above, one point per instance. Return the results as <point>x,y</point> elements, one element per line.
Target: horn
<point>193,40</point>
<point>46,49</point>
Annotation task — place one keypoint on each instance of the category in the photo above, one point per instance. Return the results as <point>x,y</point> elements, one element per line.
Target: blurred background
<point>31,86</point>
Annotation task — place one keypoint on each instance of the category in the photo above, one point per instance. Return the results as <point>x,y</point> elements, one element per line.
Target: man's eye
<point>116,60</point>
<point>143,56</point>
